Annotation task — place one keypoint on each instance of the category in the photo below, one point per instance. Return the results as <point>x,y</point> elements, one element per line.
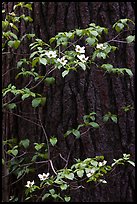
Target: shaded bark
<point>79,94</point>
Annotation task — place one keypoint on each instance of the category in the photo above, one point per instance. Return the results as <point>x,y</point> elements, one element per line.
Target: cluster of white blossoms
<point>81,53</point>
<point>62,61</point>
<point>43,176</point>
<point>29,184</point>
<point>101,46</point>
<point>102,163</point>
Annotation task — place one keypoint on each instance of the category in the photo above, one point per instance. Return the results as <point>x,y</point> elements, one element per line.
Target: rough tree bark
<point>69,99</point>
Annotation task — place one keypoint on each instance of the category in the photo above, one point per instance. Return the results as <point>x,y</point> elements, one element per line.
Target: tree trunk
<point>80,93</point>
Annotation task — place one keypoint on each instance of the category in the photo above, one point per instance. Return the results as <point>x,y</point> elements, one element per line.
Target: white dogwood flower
<point>62,60</point>
<point>102,163</point>
<point>29,184</point>
<point>82,58</point>
<point>102,181</point>
<point>80,49</point>
<point>43,176</point>
<point>51,54</point>
<point>101,46</point>
<point>90,172</point>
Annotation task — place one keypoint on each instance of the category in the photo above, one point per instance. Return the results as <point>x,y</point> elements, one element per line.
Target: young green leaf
<point>129,72</point>
<point>67,198</point>
<point>82,65</point>
<point>94,124</point>
<point>24,96</point>
<point>114,118</point>
<point>11,106</point>
<point>38,146</point>
<point>130,38</point>
<point>65,73</point>
<point>90,40</point>
<point>105,118</point>
<point>80,173</point>
<point>76,133</point>
<point>36,102</point>
<point>69,176</point>
<point>50,80</point>
<point>131,162</point>
<point>25,143</point>
<point>43,61</point>
<point>53,141</point>
<point>63,186</point>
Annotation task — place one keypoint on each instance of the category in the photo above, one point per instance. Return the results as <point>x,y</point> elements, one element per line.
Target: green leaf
<point>52,191</point>
<point>50,80</point>
<point>16,44</point>
<point>94,163</point>
<point>46,195</point>
<point>94,124</point>
<point>107,66</point>
<point>95,33</point>
<point>11,43</point>
<point>82,65</point>
<point>80,173</point>
<point>3,162</point>
<point>20,173</point>
<point>69,176</point>
<point>34,158</point>
<point>24,96</point>
<point>67,133</point>
<point>36,102</point>
<point>43,61</point>
<point>129,72</point>
<point>114,118</point>
<point>5,24</point>
<point>27,18</point>
<point>25,143</point>
<point>79,32</point>
<point>90,40</point>
<point>34,61</point>
<point>131,162</point>
<point>76,133</point>
<point>65,73</point>
<point>63,186</point>
<point>43,101</point>
<point>130,38</point>
<point>30,35</point>
<point>33,54</point>
<point>13,26</point>
<point>119,27</point>
<point>101,55</point>
<point>11,106</point>
<point>13,151</point>
<point>13,35</point>
<point>53,141</point>
<point>79,126</point>
<point>38,146</point>
<point>52,39</point>
<point>29,6</point>
<point>105,118</point>
<point>67,198</point>
<point>124,21</point>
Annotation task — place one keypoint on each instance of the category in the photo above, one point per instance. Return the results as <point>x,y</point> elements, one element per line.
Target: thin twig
<point>22,118</point>
<point>46,137</point>
<point>52,166</point>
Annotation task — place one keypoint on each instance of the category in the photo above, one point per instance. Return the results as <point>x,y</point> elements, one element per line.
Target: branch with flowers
<point>69,53</point>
